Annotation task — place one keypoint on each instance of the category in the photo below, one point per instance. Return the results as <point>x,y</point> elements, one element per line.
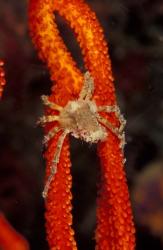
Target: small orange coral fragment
<point>2,77</point>
<point>115,228</point>
<point>9,238</point>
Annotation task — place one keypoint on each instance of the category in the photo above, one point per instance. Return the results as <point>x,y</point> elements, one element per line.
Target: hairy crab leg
<point>117,131</point>
<point>50,135</point>
<point>53,168</point>
<point>114,109</point>
<point>50,104</point>
<point>88,87</point>
<point>109,109</point>
<point>109,125</point>
<point>47,118</point>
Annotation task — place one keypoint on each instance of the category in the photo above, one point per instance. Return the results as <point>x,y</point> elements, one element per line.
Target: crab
<point>81,119</point>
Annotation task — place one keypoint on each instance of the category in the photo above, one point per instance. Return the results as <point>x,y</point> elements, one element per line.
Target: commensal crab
<point>81,119</point>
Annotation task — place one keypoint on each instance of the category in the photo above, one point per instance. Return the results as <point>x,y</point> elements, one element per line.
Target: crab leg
<point>50,104</point>
<point>106,123</point>
<point>115,131</point>
<point>55,161</point>
<point>88,87</point>
<point>114,109</point>
<point>47,118</point>
<point>109,109</point>
<point>50,135</point>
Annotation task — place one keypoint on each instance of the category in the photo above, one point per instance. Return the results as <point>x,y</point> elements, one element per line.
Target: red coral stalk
<point>2,77</point>
<point>9,238</point>
<point>115,228</point>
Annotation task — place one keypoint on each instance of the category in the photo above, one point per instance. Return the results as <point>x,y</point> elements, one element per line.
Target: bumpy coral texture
<point>2,77</point>
<point>115,228</point>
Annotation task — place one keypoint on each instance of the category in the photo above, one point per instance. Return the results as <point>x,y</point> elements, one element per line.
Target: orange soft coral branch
<point>69,80</point>
<point>115,229</point>
<point>114,211</point>
<point>94,48</point>
<point>52,50</point>
<point>9,238</point>
<point>2,77</point>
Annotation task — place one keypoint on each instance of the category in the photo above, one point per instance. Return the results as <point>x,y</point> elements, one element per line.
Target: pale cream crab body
<point>80,118</point>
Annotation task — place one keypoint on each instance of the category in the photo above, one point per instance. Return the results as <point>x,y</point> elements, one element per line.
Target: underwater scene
<point>81,125</point>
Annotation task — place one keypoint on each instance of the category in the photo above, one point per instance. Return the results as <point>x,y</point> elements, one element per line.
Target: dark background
<point>134,31</point>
